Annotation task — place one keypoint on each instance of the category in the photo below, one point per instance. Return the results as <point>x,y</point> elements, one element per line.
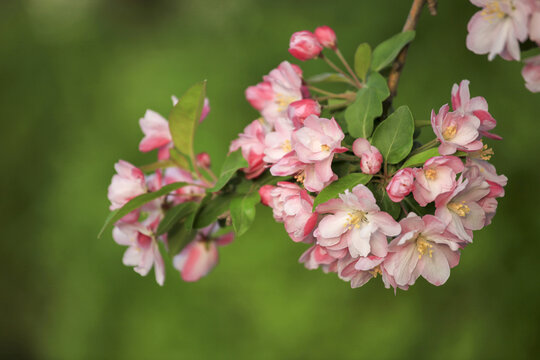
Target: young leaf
<point>328,77</point>
<point>210,211</point>
<point>361,114</point>
<point>243,211</point>
<point>378,83</point>
<point>420,158</point>
<point>362,60</point>
<point>179,236</point>
<point>232,163</point>
<point>339,187</point>
<point>386,52</point>
<point>394,136</point>
<point>137,202</point>
<point>174,215</point>
<point>184,118</point>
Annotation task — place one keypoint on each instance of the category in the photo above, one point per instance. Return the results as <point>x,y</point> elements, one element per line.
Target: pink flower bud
<point>401,184</point>
<point>304,45</point>
<point>326,36</point>
<point>299,110</point>
<point>266,197</point>
<point>203,160</point>
<point>370,157</point>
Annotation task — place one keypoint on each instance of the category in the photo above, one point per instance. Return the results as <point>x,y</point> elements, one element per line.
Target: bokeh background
<point>76,75</point>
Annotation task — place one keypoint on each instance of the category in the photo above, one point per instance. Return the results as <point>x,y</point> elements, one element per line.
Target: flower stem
<point>348,67</point>
<point>328,93</point>
<point>426,146</point>
<point>337,68</point>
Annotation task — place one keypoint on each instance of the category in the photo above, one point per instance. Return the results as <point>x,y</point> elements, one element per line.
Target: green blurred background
<point>76,75</point>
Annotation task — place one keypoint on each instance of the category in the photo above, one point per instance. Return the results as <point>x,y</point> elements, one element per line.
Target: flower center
<point>485,153</point>
<point>460,209</point>
<point>283,101</point>
<point>450,132</point>
<point>300,177</point>
<point>375,271</point>
<point>424,247</point>
<point>355,218</point>
<point>430,174</point>
<point>286,146</point>
<point>493,11</point>
<point>325,147</point>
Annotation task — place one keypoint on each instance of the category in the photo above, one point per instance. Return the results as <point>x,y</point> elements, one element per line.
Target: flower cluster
<point>500,27</point>
<point>340,173</point>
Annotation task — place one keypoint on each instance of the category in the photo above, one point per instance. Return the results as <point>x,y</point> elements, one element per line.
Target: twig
<point>432,6</point>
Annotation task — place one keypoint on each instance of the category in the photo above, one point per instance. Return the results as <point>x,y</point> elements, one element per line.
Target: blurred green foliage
<point>76,77</point>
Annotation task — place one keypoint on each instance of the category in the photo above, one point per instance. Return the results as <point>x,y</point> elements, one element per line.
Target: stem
<point>335,67</point>
<point>426,146</point>
<point>347,66</point>
<point>403,208</point>
<point>399,63</point>
<point>422,123</point>
<point>328,93</point>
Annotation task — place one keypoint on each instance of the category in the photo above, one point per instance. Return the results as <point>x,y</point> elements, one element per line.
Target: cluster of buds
<point>500,27</point>
<point>367,205</point>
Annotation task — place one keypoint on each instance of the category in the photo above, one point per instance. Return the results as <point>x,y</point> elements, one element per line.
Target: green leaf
<point>232,164</point>
<point>179,236</point>
<point>243,211</point>
<point>361,114</point>
<point>339,187</point>
<point>387,204</point>
<point>137,202</point>
<point>394,136</point>
<point>378,83</point>
<point>328,77</point>
<point>362,60</point>
<point>156,166</point>
<point>386,52</point>
<point>184,118</point>
<point>420,158</point>
<point>212,209</point>
<point>174,215</point>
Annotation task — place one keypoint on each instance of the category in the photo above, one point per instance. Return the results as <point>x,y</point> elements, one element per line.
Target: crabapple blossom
<point>488,172</point>
<point>156,132</point>
<point>304,45</point>
<point>531,73</point>
<point>276,196</point>
<point>299,110</point>
<point>401,185</point>
<point>498,28</point>
<point>459,209</point>
<point>200,256</point>
<point>143,251</point>
<point>316,256</point>
<point>424,248</point>
<point>128,183</point>
<point>477,106</point>
<point>348,269</point>
<point>326,36</point>
<point>315,176</point>
<point>185,193</point>
<point>251,141</point>
<point>317,140</point>
<point>455,131</point>
<point>266,196</point>
<point>203,160</point>
<point>436,177</point>
<point>354,221</point>
<point>370,157</point>
<point>278,142</point>
<point>534,24</point>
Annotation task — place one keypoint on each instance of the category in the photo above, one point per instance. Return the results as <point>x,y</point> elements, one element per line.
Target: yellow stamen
<point>423,246</point>
<point>485,153</point>
<point>493,11</point>
<point>300,177</point>
<point>460,209</point>
<point>325,147</point>
<point>283,101</point>
<point>355,218</point>
<point>375,271</point>
<point>286,146</point>
<point>430,174</point>
<point>450,132</point>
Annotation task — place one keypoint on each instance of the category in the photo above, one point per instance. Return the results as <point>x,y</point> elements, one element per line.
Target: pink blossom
<point>278,142</point>
<point>266,196</point>
<point>497,28</point>
<point>203,160</point>
<point>186,192</point>
<point>279,195</point>
<point>531,73</point>
<point>477,106</point>
<point>280,87</point>
<point>304,45</point>
<point>436,177</point>
<point>326,36</point>
<point>355,222</point>
<point>489,173</point>
<point>455,131</point>
<point>370,157</point>
<point>299,110</point>
<point>459,209</point>
<point>143,251</point>
<point>156,132</point>
<point>401,185</point>
<point>317,140</point>
<point>347,270</point>
<point>534,24</point>
<point>425,249</point>
<point>200,256</point>
<point>251,141</point>
<point>316,256</point>
<point>128,183</point>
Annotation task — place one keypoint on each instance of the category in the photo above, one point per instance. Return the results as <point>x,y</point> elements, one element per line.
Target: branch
<point>397,66</point>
